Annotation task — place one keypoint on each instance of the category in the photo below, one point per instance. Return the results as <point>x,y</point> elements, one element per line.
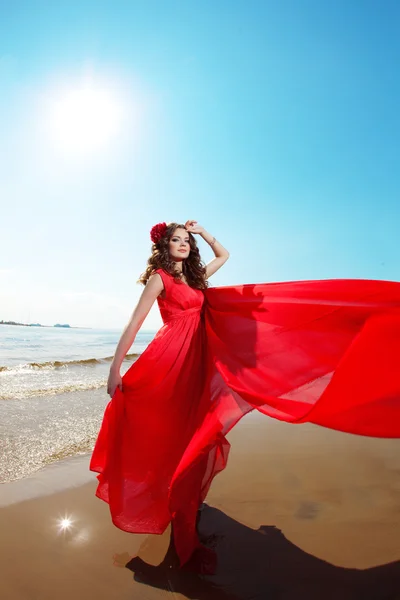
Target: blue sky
<point>274,124</point>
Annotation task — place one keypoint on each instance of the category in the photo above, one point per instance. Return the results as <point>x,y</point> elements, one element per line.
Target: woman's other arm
<point>152,289</point>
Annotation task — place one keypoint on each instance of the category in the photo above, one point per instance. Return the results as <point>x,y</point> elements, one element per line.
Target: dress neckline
<point>184,283</point>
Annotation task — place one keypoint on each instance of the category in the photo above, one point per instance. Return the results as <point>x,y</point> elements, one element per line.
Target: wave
<point>60,364</point>
<point>61,389</point>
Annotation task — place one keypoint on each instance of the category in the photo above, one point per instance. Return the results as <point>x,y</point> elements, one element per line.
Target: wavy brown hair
<point>193,267</point>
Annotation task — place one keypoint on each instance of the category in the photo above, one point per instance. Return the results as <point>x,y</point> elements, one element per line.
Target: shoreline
<point>58,476</point>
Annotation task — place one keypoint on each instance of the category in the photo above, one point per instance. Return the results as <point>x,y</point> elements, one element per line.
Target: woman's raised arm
<point>221,253</point>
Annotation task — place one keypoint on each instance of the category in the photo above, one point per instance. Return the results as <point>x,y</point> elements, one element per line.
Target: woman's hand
<point>114,381</point>
<point>193,227</point>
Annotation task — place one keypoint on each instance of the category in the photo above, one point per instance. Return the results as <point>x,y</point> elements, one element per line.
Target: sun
<point>84,119</point>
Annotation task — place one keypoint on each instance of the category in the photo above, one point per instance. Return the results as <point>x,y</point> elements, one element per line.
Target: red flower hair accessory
<point>157,232</point>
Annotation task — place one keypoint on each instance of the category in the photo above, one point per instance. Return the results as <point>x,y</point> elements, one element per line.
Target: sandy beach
<point>300,512</point>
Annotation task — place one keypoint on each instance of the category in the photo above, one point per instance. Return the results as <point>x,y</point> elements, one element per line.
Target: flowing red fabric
<point>326,352</point>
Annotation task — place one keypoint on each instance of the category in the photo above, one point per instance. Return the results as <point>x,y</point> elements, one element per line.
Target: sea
<point>53,392</point>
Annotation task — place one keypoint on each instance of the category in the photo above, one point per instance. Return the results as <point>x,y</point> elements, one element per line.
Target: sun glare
<point>84,119</point>
<point>65,523</point>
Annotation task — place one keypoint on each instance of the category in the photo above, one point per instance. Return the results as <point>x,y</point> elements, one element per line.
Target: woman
<point>174,249</point>
<point>324,352</point>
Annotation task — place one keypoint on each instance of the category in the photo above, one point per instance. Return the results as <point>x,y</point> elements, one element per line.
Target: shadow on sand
<point>263,565</point>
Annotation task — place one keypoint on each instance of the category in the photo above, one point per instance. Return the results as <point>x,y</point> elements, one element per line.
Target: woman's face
<point>179,245</point>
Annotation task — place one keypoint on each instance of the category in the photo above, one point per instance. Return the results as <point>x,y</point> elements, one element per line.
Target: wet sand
<point>300,512</point>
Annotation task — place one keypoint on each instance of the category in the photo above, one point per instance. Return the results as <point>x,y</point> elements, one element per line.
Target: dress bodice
<point>179,298</point>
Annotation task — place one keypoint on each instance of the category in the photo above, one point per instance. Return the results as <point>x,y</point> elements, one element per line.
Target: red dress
<point>326,352</point>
